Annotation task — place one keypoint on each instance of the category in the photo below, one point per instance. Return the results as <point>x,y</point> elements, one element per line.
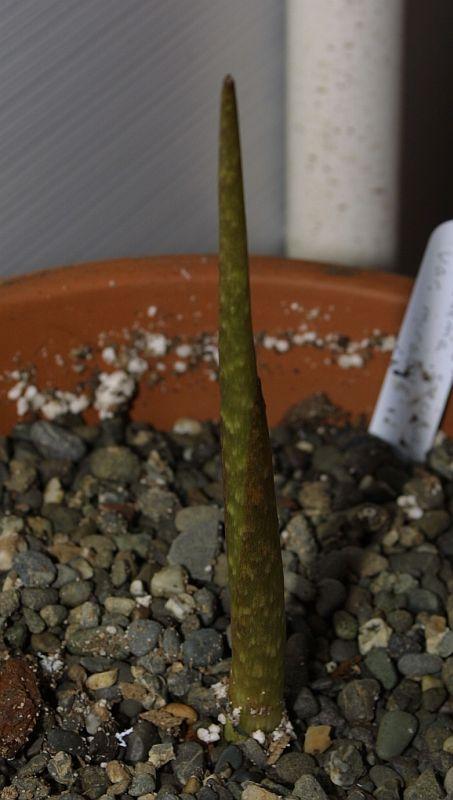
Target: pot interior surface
<point>319,329</point>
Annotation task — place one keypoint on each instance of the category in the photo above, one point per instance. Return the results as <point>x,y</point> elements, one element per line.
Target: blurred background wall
<point>109,117</point>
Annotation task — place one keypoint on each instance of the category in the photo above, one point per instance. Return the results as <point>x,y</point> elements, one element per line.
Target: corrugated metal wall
<point>108,120</point>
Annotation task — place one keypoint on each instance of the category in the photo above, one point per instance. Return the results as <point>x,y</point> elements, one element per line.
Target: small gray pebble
<point>381,666</point>
<point>75,593</point>
<point>99,641</point>
<point>418,664</point>
<point>308,788</point>
<point>198,544</point>
<point>38,598</point>
<point>142,636</point>
<point>254,752</point>
<point>54,441</point>
<point>188,761</point>
<point>93,781</point>
<point>171,644</point>
<point>60,739</point>
<point>231,756</point>
<point>141,784</point>
<point>423,600</point>
<point>202,648</point>
<point>425,787</point>
<point>396,731</point>
<point>9,603</point>
<point>357,700</point>
<point>140,741</point>
<point>34,568</point>
<point>291,766</point>
<point>115,463</point>
<point>306,704</point>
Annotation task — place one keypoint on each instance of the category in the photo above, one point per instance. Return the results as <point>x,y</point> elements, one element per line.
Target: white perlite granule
<point>114,390</point>
<point>220,690</point>
<point>180,366</point>
<point>137,365</point>
<point>211,734</point>
<point>348,360</point>
<point>184,350</point>
<point>109,355</point>
<point>408,502</point>
<point>156,344</point>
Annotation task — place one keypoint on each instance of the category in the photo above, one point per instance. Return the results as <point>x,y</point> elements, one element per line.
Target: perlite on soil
<point>114,606</point>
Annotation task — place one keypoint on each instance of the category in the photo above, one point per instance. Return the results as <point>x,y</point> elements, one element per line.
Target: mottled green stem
<point>254,557</point>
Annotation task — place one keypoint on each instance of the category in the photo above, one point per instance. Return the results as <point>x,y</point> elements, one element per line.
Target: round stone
<point>358,698</point>
<point>381,666</point>
<point>418,664</point>
<point>115,463</point>
<point>75,593</point>
<point>142,636</point>
<point>34,568</point>
<point>54,441</point>
<point>345,625</point>
<point>105,640</point>
<point>202,648</point>
<point>188,761</point>
<point>396,731</point>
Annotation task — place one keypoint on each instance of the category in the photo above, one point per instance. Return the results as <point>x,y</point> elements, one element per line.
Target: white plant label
<point>420,374</point>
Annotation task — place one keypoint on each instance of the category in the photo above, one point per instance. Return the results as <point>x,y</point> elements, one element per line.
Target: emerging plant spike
<point>254,557</point>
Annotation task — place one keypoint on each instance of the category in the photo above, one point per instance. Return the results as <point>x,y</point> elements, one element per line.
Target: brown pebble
<point>192,786</point>
<point>317,739</point>
<point>20,702</point>
<point>183,711</point>
<point>102,680</point>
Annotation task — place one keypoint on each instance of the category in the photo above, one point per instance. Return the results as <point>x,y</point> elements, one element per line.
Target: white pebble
<point>156,344</point>
<point>53,492</point>
<point>78,403</point>
<point>37,401</point>
<point>54,408</point>
<point>348,360</point>
<point>137,365</point>
<point>136,588</point>
<point>308,337</point>
<point>180,606</point>
<point>187,426</point>
<point>30,392</point>
<point>109,355</point>
<point>180,367</point>
<point>211,734</point>
<point>115,389</point>
<point>388,344</point>
<point>22,406</point>
<point>15,392</point>
<point>269,342</point>
<point>281,346</point>
<point>184,350</point>
<point>220,690</point>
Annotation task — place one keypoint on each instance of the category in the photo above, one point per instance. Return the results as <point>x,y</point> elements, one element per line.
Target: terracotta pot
<point>46,314</point>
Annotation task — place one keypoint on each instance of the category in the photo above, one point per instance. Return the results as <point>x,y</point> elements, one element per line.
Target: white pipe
<point>343,130</point>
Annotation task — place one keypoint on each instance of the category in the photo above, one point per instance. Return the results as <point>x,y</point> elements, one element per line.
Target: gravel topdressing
<point>114,616</point>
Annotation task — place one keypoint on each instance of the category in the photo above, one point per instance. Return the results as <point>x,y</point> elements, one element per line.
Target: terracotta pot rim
<point>89,276</point>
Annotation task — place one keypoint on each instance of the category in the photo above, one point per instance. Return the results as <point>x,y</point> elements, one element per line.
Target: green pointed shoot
<point>253,546</point>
